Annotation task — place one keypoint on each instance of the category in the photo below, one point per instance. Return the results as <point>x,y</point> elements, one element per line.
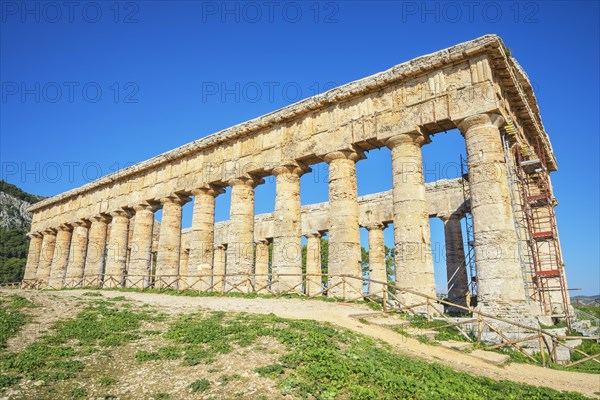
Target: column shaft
<point>412,252</point>
<point>46,255</point>
<point>500,286</point>
<point>116,252</point>
<point>169,242</point>
<point>96,251</point>
<point>456,267</point>
<point>377,267</point>
<point>261,266</point>
<point>240,246</point>
<point>344,234</point>
<point>61,257</point>
<point>140,259</point>
<point>202,237</point>
<point>77,255</point>
<point>33,256</point>
<point>219,269</point>
<point>313,265</point>
<point>287,232</point>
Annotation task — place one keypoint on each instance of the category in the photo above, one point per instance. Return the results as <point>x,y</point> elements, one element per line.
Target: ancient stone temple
<point>104,232</point>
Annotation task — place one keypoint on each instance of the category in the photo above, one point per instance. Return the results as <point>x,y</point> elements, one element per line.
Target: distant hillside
<point>13,206</point>
<point>586,300</point>
<point>15,222</point>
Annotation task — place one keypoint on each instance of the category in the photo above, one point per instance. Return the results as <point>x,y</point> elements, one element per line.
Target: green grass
<point>56,356</point>
<point>271,371</point>
<point>593,310</point>
<point>420,322</point>
<point>590,347</point>
<point>12,317</point>
<point>200,386</point>
<point>106,380</point>
<point>326,362</point>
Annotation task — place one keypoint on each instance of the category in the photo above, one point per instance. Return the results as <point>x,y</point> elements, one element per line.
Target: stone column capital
<point>379,226</point>
<point>221,247</point>
<point>50,232</point>
<point>81,224</point>
<point>100,218</point>
<point>493,119</point>
<point>65,227</point>
<point>35,234</point>
<point>262,241</point>
<point>120,213</point>
<point>348,154</point>
<point>417,137</point>
<point>293,168</point>
<point>313,235</point>
<point>146,206</point>
<point>446,216</point>
<point>209,189</point>
<point>245,181</point>
<point>175,198</point>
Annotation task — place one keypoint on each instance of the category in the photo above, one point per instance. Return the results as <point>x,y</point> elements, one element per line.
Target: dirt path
<point>340,314</point>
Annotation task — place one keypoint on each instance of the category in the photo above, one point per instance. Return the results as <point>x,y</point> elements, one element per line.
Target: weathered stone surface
<point>377,267</point>
<point>116,250</point>
<point>76,261</point>
<point>169,242</point>
<point>200,266</point>
<point>33,255</point>
<point>61,256</point>
<point>473,86</point>
<point>240,248</point>
<point>46,255</point>
<point>140,259</point>
<point>95,255</point>
<point>412,254</point>
<point>456,271</point>
<point>287,229</point>
<point>344,236</point>
<point>500,283</point>
<point>313,264</point>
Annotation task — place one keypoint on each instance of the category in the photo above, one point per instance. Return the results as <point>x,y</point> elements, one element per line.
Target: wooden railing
<point>509,333</point>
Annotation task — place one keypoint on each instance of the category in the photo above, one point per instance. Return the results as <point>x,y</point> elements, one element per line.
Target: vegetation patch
<point>324,362</point>
<point>58,355</point>
<point>200,386</point>
<point>12,317</point>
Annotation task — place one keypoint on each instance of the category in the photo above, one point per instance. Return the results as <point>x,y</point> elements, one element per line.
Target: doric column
<point>240,246</point>
<point>140,259</point>
<point>377,267</point>
<point>77,254</point>
<point>184,260</point>
<point>33,256</point>
<point>456,266</point>
<point>218,268</point>
<point>45,264</point>
<point>287,232</point>
<point>261,266</point>
<point>500,286</point>
<point>116,252</point>
<point>344,234</point>
<point>412,252</point>
<point>96,250</point>
<point>169,241</point>
<point>61,256</point>
<point>313,264</point>
<point>202,236</point>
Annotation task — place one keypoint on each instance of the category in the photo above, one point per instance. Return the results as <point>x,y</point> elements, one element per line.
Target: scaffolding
<point>470,253</point>
<point>535,225</point>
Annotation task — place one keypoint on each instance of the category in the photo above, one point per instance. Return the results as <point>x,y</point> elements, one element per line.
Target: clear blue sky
<point>101,85</point>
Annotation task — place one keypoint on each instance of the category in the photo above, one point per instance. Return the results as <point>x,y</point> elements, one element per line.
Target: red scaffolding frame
<point>538,204</point>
